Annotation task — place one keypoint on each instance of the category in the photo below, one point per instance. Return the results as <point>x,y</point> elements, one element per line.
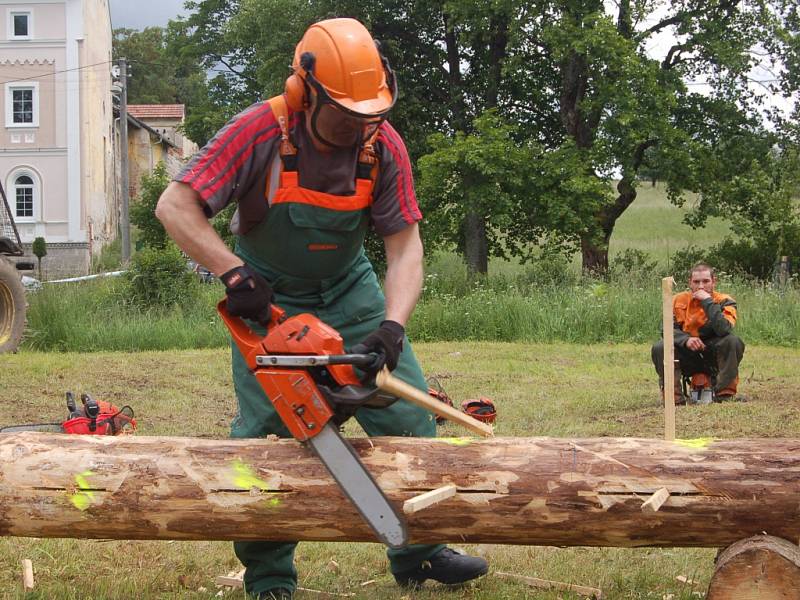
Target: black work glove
<point>248,294</point>
<point>387,342</point>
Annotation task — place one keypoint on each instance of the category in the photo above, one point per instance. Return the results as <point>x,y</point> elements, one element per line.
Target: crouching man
<point>704,341</point>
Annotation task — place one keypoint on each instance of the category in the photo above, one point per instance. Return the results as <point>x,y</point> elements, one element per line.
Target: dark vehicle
<point>12,292</point>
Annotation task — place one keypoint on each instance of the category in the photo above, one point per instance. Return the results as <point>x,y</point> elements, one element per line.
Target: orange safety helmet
<point>482,409</point>
<point>338,61</point>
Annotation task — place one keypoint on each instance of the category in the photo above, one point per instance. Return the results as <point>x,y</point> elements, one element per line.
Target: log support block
<point>761,567</point>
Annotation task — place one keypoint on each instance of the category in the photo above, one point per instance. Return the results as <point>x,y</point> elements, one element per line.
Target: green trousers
<point>354,306</point>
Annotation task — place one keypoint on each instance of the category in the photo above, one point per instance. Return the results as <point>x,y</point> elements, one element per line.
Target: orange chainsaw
<point>94,417</point>
<point>302,366</point>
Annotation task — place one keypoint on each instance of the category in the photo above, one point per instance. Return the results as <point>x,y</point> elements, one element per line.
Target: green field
<point>564,390</point>
<point>655,226</point>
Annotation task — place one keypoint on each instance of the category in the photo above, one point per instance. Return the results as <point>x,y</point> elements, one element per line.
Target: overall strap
<point>367,159</point>
<point>288,151</point>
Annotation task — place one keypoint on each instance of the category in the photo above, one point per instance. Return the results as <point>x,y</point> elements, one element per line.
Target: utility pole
<point>125,223</point>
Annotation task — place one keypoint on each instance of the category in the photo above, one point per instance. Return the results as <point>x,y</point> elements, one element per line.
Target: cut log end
<point>761,567</point>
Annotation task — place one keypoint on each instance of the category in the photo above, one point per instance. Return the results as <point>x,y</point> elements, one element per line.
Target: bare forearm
<point>404,272</point>
<point>402,287</point>
<point>180,211</point>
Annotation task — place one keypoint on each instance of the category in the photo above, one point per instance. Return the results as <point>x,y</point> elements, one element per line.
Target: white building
<point>57,145</point>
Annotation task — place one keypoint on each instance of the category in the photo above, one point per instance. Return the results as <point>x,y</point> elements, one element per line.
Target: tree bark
<point>476,245</point>
<point>530,491</point>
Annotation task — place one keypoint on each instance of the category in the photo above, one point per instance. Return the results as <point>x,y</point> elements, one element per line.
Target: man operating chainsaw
<point>311,170</point>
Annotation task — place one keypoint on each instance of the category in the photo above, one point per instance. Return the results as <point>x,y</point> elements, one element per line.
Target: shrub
<point>753,259</point>
<point>143,211</point>
<point>633,264</point>
<point>158,278</point>
<point>550,269</point>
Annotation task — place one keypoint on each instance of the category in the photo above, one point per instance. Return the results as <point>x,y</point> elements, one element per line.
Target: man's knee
<point>730,343</point>
<point>657,352</point>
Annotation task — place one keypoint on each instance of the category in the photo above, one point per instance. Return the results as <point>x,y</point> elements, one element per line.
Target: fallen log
<point>534,491</point>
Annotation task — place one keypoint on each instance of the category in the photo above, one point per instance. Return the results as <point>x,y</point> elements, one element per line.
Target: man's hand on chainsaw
<point>386,342</point>
<point>248,294</point>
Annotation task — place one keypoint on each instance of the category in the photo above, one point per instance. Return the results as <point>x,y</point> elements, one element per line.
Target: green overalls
<point>310,248</point>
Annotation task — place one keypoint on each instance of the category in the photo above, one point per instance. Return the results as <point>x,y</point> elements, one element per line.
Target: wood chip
<point>326,594</point>
<point>232,579</point>
<point>684,579</point>
<point>430,498</point>
<point>654,502</point>
<point>545,584</point>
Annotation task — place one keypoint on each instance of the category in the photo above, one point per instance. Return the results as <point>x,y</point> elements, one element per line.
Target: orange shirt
<point>691,315</point>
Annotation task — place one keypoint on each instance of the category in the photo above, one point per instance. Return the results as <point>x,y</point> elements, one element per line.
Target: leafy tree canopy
<point>580,95</point>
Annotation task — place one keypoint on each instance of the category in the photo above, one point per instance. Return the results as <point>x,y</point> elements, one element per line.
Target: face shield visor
<point>338,126</point>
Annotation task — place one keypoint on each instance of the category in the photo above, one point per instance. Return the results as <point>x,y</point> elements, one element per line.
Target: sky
<point>138,14</point>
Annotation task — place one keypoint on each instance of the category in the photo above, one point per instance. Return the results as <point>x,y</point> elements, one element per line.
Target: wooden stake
<point>669,358</point>
<point>27,575</point>
<point>546,584</point>
<point>388,382</point>
<point>654,502</point>
<point>427,499</point>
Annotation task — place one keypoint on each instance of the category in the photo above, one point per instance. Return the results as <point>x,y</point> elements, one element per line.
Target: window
<point>23,188</point>
<point>19,25</point>
<point>22,104</point>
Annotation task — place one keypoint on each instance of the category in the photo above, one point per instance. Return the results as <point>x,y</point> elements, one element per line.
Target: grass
<point>92,316</point>
<point>564,390</point>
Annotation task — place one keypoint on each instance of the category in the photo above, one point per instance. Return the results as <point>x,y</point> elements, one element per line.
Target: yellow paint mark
<point>246,479</point>
<point>696,442</point>
<point>84,497</point>
<point>457,441</point>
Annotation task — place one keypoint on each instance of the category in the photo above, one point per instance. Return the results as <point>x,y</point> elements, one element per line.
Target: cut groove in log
<point>761,567</point>
<point>529,491</point>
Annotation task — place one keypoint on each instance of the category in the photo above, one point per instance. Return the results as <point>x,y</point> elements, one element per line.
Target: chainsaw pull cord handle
<point>250,344</point>
<point>92,409</point>
<point>72,407</point>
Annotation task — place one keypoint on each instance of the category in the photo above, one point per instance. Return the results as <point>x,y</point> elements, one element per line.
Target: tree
<point>143,212</point>
<point>39,249</point>
<point>580,82</point>
<point>157,74</point>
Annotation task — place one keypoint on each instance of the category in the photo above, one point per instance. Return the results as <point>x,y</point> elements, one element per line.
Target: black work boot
<point>446,566</point>
<point>275,594</point>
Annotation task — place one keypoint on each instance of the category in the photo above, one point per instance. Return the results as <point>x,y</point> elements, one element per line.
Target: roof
<point>156,111</point>
<point>142,125</point>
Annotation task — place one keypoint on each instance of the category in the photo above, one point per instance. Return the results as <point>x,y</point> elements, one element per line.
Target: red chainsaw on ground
<point>302,366</point>
<point>94,417</point>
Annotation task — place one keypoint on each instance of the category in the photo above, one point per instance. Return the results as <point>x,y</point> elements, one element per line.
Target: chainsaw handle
<point>249,343</point>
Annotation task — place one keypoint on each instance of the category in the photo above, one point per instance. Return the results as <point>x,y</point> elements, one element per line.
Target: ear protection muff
<point>294,92</point>
<point>295,88</point>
